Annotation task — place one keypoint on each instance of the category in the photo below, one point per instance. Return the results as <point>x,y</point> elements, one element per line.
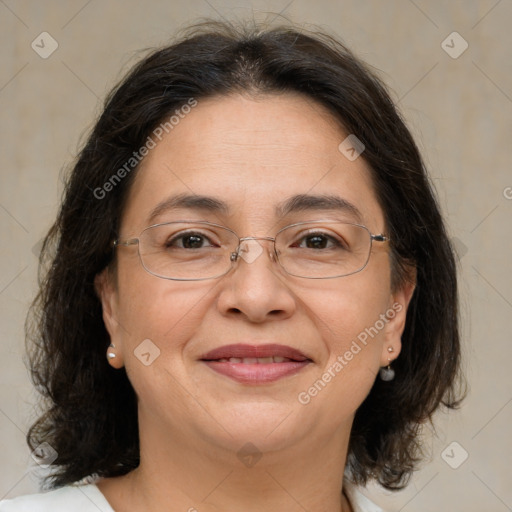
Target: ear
<point>107,293</point>
<point>397,313</point>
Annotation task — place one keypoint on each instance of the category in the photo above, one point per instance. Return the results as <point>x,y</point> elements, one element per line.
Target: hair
<point>89,410</point>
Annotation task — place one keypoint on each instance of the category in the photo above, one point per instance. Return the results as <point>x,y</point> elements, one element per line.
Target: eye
<point>317,241</point>
<point>190,240</point>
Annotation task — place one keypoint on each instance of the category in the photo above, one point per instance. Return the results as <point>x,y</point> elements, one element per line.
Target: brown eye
<point>189,241</point>
<point>318,241</point>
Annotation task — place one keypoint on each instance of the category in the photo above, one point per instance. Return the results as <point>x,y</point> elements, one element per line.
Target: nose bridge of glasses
<point>271,239</point>
<point>249,249</point>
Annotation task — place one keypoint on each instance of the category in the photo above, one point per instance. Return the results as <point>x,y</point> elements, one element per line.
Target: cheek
<point>349,321</point>
<point>348,373</point>
<point>164,311</point>
<point>350,306</point>
<point>159,317</point>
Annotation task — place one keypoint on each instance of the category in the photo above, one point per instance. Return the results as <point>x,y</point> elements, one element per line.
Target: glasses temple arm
<point>380,238</point>
<point>131,241</point>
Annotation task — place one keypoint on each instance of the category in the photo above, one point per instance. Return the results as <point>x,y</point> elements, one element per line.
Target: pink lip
<point>257,373</point>
<point>242,350</point>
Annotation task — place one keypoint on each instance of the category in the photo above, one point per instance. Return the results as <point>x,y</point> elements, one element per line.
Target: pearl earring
<point>387,374</point>
<point>111,355</point>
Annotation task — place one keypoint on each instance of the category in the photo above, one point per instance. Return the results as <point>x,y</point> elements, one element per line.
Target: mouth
<point>253,364</point>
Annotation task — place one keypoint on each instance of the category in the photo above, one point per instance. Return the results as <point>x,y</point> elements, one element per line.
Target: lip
<point>243,350</point>
<point>256,373</point>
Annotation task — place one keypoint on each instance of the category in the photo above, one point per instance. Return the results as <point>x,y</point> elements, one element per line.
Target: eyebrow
<point>205,204</point>
<point>306,202</point>
<point>297,203</point>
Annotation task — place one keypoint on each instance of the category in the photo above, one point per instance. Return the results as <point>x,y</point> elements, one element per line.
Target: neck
<point>194,475</point>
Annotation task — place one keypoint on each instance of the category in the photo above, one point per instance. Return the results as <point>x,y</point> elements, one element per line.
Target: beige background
<point>459,109</point>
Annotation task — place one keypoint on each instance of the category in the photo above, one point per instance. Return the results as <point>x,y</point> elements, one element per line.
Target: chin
<point>269,426</point>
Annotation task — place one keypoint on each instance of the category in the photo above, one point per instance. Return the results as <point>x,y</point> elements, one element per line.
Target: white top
<point>88,498</point>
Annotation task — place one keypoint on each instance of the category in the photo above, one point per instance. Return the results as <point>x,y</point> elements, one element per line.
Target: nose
<point>256,287</point>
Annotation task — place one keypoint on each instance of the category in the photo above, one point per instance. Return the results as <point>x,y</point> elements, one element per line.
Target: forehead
<point>254,155</point>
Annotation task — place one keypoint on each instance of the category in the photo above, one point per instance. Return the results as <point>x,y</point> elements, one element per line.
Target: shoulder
<point>358,501</point>
<point>79,498</point>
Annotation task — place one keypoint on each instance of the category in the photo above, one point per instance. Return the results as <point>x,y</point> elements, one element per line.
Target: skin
<point>252,153</point>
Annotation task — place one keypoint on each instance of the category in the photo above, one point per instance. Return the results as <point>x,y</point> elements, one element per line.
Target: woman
<point>251,302</point>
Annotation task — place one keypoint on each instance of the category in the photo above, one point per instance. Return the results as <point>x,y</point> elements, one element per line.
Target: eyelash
<point>181,236</point>
<point>302,237</point>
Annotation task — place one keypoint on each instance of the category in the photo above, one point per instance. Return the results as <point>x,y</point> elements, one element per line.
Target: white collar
<point>358,501</point>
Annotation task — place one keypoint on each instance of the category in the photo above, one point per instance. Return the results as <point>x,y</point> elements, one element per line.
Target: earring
<point>387,374</point>
<point>111,355</point>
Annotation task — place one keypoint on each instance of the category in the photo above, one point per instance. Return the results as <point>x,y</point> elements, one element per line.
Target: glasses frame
<point>234,256</point>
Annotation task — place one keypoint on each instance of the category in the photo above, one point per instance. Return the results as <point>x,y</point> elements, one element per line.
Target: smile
<point>255,360</point>
<point>256,364</point>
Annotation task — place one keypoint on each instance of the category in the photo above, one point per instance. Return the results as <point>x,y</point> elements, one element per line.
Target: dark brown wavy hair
<point>89,411</point>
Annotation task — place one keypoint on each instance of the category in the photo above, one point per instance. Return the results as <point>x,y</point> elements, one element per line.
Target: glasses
<point>198,250</point>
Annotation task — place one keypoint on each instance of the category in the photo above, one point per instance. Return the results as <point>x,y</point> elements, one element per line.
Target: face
<point>253,155</point>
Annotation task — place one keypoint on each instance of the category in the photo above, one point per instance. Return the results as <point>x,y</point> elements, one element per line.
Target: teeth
<point>255,360</point>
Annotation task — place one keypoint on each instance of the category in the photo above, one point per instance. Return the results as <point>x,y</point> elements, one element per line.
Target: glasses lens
<point>324,249</point>
<point>181,250</point>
